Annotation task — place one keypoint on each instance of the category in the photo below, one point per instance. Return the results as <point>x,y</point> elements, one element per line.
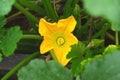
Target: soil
<point>9,62</point>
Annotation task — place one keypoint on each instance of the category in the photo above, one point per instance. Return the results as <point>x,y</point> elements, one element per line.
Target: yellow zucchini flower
<point>58,37</point>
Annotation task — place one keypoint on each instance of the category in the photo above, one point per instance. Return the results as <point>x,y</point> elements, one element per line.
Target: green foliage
<point>95,47</point>
<point>76,13</point>
<point>80,52</point>
<point>30,17</point>
<point>49,10</point>
<point>5,6</point>
<point>95,43</point>
<point>9,41</point>
<point>77,56</point>
<point>111,49</point>
<point>2,21</point>
<point>93,32</point>
<point>68,8</point>
<point>28,45</point>
<point>0,57</point>
<point>104,68</point>
<point>101,31</point>
<point>32,6</point>
<point>108,9</point>
<point>41,70</point>
<point>77,50</point>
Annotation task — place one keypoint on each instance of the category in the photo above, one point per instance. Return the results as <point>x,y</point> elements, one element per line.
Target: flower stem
<point>53,55</point>
<point>31,36</point>
<point>117,38</point>
<point>19,65</point>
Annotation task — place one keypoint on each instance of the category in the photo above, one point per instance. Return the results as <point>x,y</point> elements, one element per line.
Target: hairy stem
<point>31,36</point>
<point>19,65</point>
<point>117,38</point>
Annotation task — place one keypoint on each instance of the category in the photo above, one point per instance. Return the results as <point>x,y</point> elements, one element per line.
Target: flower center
<point>60,41</point>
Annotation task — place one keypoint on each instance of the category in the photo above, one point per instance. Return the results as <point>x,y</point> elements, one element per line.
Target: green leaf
<point>76,14</point>
<point>103,68</point>
<point>31,18</point>
<point>50,12</point>
<point>41,70</point>
<point>2,33</point>
<point>115,26</point>
<point>32,6</point>
<point>0,57</point>
<point>5,6</point>
<point>109,9</point>
<point>76,11</point>
<point>102,31</point>
<point>95,43</point>
<point>9,42</point>
<point>68,8</point>
<point>111,49</point>
<point>76,54</point>
<point>77,50</point>
<point>2,21</point>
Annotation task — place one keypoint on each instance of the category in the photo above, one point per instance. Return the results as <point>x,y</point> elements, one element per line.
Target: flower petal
<point>44,26</point>
<point>61,54</point>
<point>46,45</point>
<point>71,39</point>
<point>67,24</point>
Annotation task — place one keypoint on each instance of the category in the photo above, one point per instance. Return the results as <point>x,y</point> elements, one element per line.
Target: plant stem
<point>78,77</point>
<point>19,65</point>
<point>117,38</point>
<point>31,36</point>
<point>110,36</point>
<point>91,29</point>
<point>50,12</point>
<point>26,13</point>
<point>53,55</point>
<point>14,15</point>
